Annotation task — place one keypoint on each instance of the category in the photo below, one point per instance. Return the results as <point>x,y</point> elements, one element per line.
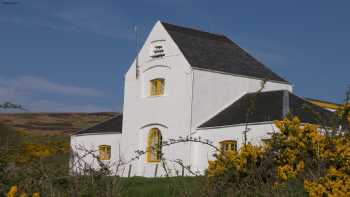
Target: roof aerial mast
<point>137,52</point>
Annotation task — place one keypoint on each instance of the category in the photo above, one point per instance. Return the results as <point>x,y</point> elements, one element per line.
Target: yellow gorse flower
<point>12,192</point>
<point>236,160</point>
<point>36,194</point>
<point>335,183</point>
<point>23,195</point>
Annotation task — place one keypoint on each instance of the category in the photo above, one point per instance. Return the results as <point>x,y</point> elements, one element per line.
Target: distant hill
<point>53,123</point>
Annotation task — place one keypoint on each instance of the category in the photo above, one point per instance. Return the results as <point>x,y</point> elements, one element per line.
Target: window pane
<point>233,145</point>
<point>156,87</point>
<point>161,86</point>
<point>153,88</point>
<point>266,141</point>
<point>104,152</point>
<point>228,145</point>
<point>158,84</point>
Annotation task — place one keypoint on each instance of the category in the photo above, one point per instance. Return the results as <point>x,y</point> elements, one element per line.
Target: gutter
<point>191,118</point>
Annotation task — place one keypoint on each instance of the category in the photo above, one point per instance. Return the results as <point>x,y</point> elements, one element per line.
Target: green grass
<point>133,187</point>
<point>158,187</point>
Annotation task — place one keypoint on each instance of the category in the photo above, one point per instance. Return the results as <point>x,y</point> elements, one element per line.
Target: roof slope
<point>217,52</point>
<point>112,125</point>
<point>269,106</point>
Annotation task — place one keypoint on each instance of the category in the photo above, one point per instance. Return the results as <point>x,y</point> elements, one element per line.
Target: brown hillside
<point>53,123</point>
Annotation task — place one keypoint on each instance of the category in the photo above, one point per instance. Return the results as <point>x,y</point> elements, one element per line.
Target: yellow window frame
<point>156,87</point>
<point>154,146</point>
<point>266,141</point>
<point>228,145</point>
<point>104,152</point>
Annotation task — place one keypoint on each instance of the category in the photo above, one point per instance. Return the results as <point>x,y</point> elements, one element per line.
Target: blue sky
<point>71,55</point>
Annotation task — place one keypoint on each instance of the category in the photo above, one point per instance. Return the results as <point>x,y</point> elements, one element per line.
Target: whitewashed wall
<point>172,111</point>
<point>203,153</point>
<point>214,91</point>
<point>92,141</point>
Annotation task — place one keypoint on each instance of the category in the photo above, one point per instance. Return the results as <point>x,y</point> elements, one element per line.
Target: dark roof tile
<point>268,106</point>
<point>210,51</point>
<point>112,125</point>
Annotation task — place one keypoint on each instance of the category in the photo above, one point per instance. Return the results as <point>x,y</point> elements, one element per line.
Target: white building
<point>190,83</point>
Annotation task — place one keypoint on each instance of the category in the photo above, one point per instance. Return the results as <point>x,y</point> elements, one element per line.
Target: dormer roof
<point>213,52</point>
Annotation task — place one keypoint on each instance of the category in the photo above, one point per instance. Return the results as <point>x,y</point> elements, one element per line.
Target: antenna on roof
<point>137,52</point>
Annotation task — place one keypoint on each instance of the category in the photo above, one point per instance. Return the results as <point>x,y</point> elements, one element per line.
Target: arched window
<point>228,145</point>
<point>156,87</point>
<point>104,152</point>
<point>154,145</point>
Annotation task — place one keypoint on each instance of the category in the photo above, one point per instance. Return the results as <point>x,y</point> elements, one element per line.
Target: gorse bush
<point>24,159</point>
<point>318,157</point>
<point>321,159</point>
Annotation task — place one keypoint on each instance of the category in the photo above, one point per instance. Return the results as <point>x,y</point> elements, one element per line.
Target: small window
<point>266,141</point>
<point>154,145</point>
<point>228,145</point>
<point>104,152</point>
<point>156,87</point>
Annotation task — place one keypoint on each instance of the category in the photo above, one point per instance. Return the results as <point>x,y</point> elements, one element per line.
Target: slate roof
<point>215,52</point>
<point>269,106</point>
<point>112,125</point>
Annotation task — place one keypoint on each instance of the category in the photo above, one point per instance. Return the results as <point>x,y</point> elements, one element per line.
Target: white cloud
<point>41,95</point>
<point>29,84</point>
<point>37,21</point>
<point>53,106</point>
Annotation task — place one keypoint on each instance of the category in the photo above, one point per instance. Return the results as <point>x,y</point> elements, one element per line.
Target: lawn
<point>158,187</point>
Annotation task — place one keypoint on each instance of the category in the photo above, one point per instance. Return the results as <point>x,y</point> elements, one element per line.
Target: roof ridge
<point>196,30</point>
<point>266,92</point>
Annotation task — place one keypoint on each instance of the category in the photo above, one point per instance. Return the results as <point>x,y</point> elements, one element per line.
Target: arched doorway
<point>154,145</point>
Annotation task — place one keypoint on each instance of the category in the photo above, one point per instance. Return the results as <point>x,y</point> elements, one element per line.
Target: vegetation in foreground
<point>300,160</point>
<point>38,165</point>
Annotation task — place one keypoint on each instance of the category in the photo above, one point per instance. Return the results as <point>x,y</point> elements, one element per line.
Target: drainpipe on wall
<point>190,125</point>
<point>285,103</point>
